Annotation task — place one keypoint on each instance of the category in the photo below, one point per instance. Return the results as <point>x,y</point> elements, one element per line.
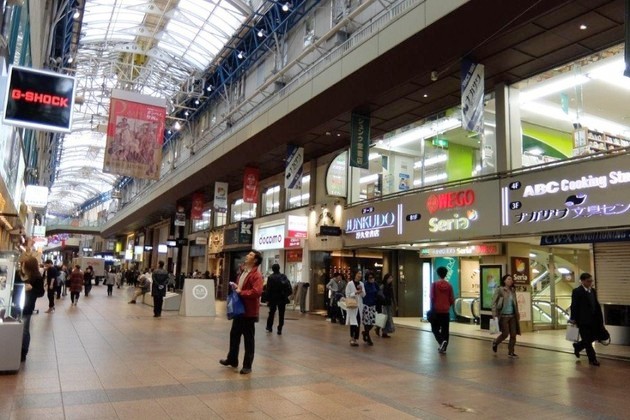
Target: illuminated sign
<point>371,224</point>
<point>292,243</point>
<point>297,226</point>
<point>450,200</point>
<point>470,250</point>
<point>457,222</point>
<point>271,237</point>
<point>574,196</point>
<point>36,196</point>
<point>39,99</point>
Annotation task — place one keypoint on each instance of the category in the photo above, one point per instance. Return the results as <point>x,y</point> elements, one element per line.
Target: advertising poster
<point>519,267</point>
<point>336,176</point>
<point>250,185</point>
<point>524,300</point>
<point>472,90</point>
<point>490,280</point>
<point>220,197</point>
<point>196,212</point>
<point>135,134</point>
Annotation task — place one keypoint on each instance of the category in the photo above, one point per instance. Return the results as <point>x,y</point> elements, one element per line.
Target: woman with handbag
<point>505,308</point>
<point>388,305</point>
<point>354,305</point>
<point>368,313</point>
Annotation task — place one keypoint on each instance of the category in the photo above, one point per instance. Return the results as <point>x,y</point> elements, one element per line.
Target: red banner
<point>135,134</point>
<point>250,185</point>
<point>196,212</point>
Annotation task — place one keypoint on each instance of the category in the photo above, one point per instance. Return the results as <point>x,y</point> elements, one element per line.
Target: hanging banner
<point>250,185</point>
<point>220,197</point>
<point>472,96</point>
<point>294,168</point>
<point>135,133</point>
<point>196,212</point>
<point>360,141</point>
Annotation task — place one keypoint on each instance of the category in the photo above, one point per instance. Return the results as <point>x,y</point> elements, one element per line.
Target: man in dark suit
<point>587,314</point>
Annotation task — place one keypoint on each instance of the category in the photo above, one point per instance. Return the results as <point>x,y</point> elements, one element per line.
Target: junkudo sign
<point>466,212</point>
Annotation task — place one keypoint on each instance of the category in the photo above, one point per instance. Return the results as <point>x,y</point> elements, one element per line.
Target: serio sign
<point>39,99</point>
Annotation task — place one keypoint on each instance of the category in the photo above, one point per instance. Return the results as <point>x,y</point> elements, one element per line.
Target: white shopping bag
<point>573,333</point>
<point>381,320</point>
<point>494,326</point>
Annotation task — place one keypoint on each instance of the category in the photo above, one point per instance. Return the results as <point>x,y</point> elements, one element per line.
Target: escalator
<point>467,310</point>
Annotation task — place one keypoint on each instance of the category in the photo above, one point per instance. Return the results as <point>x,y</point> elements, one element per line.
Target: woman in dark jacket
<point>88,275</point>
<point>388,305</point>
<point>34,289</point>
<point>368,316</point>
<point>278,291</point>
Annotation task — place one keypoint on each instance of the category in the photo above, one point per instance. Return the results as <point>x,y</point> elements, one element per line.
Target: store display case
<point>11,304</point>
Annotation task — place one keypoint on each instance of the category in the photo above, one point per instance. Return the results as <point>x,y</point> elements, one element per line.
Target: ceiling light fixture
<point>583,27</point>
<point>261,33</point>
<point>286,7</point>
<point>240,55</point>
<point>76,14</point>
<point>70,60</point>
<point>177,126</point>
<point>186,113</point>
<point>209,88</point>
<point>196,101</point>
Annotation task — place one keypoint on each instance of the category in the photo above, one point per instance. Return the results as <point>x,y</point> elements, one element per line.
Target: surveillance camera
<point>434,76</point>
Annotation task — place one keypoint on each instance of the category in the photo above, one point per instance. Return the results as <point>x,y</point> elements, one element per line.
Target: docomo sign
<point>450,200</point>
<point>271,237</point>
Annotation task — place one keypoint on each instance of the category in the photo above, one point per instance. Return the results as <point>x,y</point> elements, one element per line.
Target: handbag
<point>494,325</point>
<point>431,316</point>
<point>351,302</point>
<point>573,333</point>
<point>235,307</point>
<point>603,337</point>
<point>380,320</point>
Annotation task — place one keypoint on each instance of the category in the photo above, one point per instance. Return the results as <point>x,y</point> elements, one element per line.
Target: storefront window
<point>204,223</point>
<point>299,198</point>
<point>429,152</point>
<point>574,110</point>
<point>242,210</point>
<point>220,219</point>
<point>271,200</point>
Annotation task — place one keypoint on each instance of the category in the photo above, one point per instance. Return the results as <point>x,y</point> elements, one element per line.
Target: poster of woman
<point>490,276</point>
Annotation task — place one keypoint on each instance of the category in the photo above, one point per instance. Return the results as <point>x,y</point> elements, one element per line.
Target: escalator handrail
<point>560,309</point>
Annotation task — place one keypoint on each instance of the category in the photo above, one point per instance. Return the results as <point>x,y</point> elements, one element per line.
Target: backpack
<point>287,290</point>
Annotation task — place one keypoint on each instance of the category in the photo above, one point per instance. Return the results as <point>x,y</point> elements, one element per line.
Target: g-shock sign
<point>39,99</point>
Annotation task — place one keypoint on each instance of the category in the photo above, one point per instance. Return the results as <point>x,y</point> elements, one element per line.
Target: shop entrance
<point>555,273</point>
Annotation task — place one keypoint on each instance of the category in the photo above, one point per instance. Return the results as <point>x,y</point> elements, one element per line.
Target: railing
<point>217,135</point>
<point>73,223</point>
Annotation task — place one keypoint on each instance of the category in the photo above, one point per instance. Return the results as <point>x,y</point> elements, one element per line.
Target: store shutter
<point>612,272</point>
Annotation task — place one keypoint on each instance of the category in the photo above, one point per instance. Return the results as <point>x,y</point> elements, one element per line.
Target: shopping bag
<point>494,326</point>
<point>380,320</point>
<point>235,307</point>
<point>351,302</point>
<point>573,333</point>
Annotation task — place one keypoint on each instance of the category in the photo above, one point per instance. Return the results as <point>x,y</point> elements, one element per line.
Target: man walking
<point>158,288</point>
<point>249,289</point>
<point>50,279</point>
<point>442,298</point>
<point>278,291</point>
<point>587,314</point>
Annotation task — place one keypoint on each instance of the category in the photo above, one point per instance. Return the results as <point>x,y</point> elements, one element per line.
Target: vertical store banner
<point>472,96</point>
<point>250,185</point>
<point>135,133</point>
<point>220,197</point>
<point>359,141</point>
<point>196,212</point>
<point>294,168</point>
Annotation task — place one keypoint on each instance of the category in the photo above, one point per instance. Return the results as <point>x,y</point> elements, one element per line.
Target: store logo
<point>39,98</point>
<point>200,292</point>
<point>450,200</point>
<point>457,222</point>
<point>372,221</point>
<point>270,240</point>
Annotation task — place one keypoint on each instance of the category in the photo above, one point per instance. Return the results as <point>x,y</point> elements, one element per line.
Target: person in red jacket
<point>442,298</point>
<point>249,289</point>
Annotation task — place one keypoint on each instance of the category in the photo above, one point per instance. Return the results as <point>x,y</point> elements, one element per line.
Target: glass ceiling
<point>151,47</point>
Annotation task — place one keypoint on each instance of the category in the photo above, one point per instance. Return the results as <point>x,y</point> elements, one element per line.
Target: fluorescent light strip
<point>429,179</point>
<point>555,85</point>
<point>431,161</point>
<point>368,178</point>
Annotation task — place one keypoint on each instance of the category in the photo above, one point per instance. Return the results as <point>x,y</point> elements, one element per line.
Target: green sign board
<point>360,141</point>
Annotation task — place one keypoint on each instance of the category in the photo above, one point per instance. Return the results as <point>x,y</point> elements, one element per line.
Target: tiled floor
<point>105,359</point>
